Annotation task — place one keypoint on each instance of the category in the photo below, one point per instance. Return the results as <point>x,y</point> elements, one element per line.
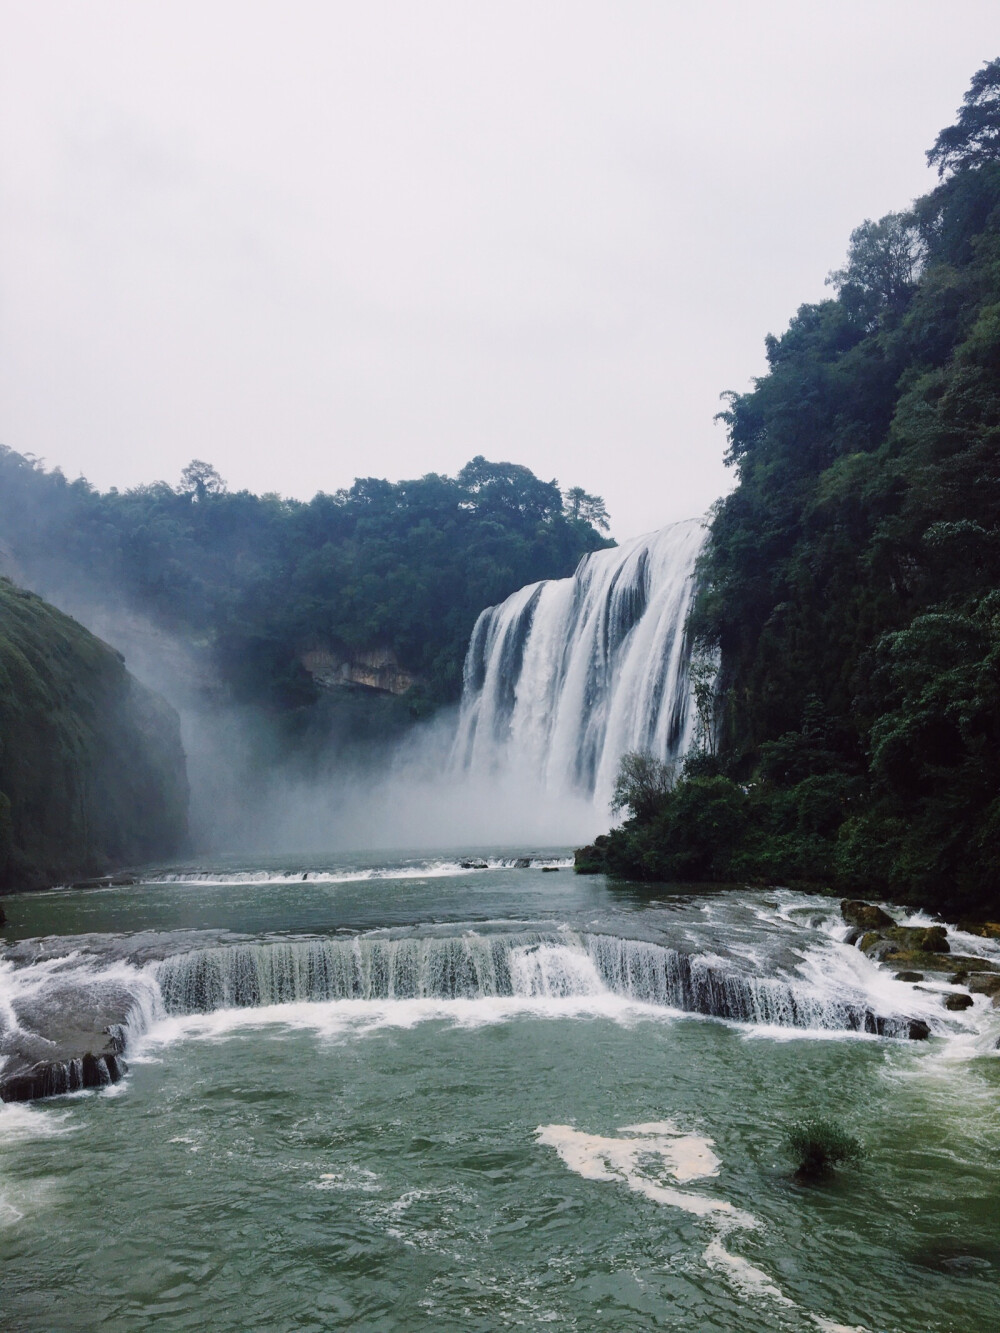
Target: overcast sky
<point>309,241</point>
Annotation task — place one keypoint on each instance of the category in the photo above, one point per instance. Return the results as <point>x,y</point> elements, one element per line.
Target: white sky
<point>308,241</point>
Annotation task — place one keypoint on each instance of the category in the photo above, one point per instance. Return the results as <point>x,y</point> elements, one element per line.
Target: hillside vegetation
<point>92,774</point>
<point>852,581</point>
<point>255,582</point>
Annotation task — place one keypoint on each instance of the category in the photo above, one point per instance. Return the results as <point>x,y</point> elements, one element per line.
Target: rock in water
<point>865,915</point>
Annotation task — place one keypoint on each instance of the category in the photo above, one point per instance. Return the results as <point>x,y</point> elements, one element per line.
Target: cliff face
<point>376,669</point>
<point>92,772</point>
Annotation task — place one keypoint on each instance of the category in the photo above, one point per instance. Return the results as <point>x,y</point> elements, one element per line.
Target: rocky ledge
<point>63,1039</point>
<point>917,950</point>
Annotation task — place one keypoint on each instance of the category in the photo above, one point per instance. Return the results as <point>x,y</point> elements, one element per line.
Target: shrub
<point>817,1146</point>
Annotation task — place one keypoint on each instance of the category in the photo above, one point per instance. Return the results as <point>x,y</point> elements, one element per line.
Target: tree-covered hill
<point>256,582</point>
<point>92,773</point>
<point>852,581</point>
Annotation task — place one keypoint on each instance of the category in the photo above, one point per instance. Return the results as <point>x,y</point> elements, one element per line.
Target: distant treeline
<point>254,581</point>
<point>852,581</point>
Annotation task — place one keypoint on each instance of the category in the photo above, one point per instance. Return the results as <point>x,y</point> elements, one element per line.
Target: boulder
<point>958,1002</point>
<point>550,870</point>
<point>985,983</point>
<point>865,915</point>
<point>919,1030</point>
<point>918,948</point>
<point>989,930</point>
<point>909,976</point>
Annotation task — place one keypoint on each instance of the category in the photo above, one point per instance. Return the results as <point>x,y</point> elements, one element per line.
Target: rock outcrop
<point>375,669</point>
<point>916,950</point>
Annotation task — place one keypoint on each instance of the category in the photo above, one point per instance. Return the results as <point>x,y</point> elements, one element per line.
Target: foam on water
<point>640,1156</point>
<point>441,869</point>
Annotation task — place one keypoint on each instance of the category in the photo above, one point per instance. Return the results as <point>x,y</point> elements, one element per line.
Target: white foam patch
<point>682,1156</point>
<point>640,1159</point>
<point>747,1279</point>
<point>345,1018</point>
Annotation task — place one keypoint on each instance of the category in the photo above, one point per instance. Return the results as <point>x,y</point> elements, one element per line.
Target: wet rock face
<point>55,1078</point>
<point>864,915</point>
<point>63,1038</point>
<point>985,983</point>
<point>958,1002</point>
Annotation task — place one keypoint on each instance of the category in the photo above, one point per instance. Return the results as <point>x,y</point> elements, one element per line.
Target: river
<point>390,1092</point>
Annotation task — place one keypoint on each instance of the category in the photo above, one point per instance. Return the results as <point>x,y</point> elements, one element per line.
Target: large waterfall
<point>566,676</point>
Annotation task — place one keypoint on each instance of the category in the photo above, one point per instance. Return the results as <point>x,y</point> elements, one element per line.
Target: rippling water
<point>402,1094</point>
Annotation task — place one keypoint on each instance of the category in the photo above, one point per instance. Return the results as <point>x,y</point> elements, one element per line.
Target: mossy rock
<point>898,940</point>
<point>984,983</point>
<point>865,915</point>
<point>917,961</point>
<point>924,939</point>
<point>909,976</point>
<point>988,930</point>
<point>958,1002</point>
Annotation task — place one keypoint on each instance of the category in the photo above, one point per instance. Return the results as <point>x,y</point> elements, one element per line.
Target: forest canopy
<point>850,583</point>
<point>256,581</point>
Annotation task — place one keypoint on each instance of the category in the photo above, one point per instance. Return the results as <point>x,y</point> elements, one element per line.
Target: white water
<point>566,676</point>
<point>436,869</point>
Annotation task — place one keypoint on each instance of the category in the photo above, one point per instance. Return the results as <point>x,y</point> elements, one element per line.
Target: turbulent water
<point>566,676</point>
<point>479,1092</point>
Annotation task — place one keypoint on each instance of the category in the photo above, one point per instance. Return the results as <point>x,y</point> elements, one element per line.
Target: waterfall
<point>566,676</point>
<point>523,965</point>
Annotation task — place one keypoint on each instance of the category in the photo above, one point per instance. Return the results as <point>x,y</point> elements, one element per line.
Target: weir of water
<point>523,965</point>
<point>566,676</point>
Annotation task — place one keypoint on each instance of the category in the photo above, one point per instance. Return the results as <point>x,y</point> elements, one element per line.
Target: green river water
<point>540,1146</point>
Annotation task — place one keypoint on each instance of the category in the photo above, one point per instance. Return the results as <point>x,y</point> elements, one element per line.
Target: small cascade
<point>523,965</point>
<point>243,976</point>
<point>565,676</point>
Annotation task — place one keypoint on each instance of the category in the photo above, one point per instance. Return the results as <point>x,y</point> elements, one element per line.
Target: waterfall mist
<point>560,680</point>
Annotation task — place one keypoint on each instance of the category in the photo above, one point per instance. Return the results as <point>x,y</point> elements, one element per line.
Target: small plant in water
<point>817,1146</point>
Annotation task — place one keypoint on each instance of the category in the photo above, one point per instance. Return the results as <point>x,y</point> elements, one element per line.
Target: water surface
<point>546,1143</point>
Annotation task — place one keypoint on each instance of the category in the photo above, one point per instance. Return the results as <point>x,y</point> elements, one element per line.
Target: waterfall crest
<point>566,676</point>
<point>523,965</point>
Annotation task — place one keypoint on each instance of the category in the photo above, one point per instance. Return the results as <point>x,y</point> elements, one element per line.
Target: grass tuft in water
<point>818,1146</point>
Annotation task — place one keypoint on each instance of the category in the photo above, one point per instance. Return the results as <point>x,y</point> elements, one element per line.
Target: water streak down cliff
<point>565,676</point>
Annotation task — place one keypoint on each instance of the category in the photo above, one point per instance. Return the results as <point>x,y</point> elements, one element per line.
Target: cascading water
<point>566,676</point>
<point>525,965</point>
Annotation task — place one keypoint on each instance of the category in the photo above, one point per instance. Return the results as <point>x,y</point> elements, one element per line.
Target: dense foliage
<point>256,581</point>
<point>851,582</point>
<point>91,767</point>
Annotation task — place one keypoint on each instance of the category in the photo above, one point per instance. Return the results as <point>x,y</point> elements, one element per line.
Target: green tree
<point>642,783</point>
<point>974,139</point>
<point>577,504</point>
<point>883,262</point>
<point>200,479</point>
